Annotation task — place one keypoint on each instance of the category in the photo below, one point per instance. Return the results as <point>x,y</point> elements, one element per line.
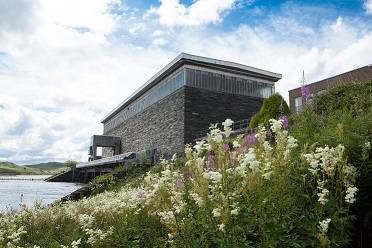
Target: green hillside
<point>11,168</point>
<point>46,166</point>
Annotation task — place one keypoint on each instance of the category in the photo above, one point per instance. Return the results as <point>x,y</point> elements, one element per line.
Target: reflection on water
<point>25,189</point>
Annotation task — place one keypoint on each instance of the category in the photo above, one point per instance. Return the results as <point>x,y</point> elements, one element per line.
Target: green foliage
<point>11,168</point>
<point>343,115</point>
<point>70,163</point>
<point>49,166</point>
<point>353,98</point>
<point>272,108</point>
<point>223,196</point>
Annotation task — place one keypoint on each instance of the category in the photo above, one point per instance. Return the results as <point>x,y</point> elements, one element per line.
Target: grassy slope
<point>11,168</point>
<point>50,166</point>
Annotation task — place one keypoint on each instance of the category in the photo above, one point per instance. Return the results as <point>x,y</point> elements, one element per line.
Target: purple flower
<point>226,147</point>
<point>179,183</point>
<point>139,194</point>
<point>269,134</point>
<point>285,123</point>
<point>211,158</point>
<point>305,92</point>
<point>250,139</point>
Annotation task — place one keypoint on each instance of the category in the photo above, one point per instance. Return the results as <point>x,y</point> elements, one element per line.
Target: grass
<point>11,168</point>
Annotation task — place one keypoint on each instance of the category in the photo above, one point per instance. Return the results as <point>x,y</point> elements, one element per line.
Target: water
<point>25,189</point>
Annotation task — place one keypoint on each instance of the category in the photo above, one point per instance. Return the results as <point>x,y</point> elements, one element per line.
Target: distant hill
<point>11,168</point>
<point>46,166</point>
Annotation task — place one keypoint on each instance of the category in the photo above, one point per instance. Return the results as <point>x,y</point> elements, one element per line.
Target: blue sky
<point>65,64</point>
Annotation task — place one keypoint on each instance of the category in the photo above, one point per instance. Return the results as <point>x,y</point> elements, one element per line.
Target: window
<point>298,104</point>
<point>227,83</point>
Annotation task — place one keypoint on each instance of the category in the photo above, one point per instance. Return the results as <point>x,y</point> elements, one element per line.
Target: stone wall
<point>205,107</point>
<point>176,120</point>
<point>160,126</point>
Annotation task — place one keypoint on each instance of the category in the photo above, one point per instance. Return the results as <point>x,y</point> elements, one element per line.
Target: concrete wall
<point>205,107</point>
<point>159,126</point>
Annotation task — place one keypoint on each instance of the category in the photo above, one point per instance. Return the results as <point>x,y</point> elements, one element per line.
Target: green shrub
<point>272,108</point>
<point>343,115</point>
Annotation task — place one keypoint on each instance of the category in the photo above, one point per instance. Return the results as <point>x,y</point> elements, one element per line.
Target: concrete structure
<point>104,141</point>
<point>360,75</point>
<point>182,99</point>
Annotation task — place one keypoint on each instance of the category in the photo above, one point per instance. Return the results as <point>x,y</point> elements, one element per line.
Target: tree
<point>272,108</point>
<point>70,163</point>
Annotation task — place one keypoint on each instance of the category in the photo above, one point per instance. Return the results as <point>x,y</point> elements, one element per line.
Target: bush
<point>272,108</point>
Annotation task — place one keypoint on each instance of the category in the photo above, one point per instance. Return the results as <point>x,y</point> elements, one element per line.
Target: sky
<point>65,64</point>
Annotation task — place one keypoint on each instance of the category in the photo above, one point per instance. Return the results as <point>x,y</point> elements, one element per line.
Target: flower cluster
<point>305,92</point>
<point>229,190</point>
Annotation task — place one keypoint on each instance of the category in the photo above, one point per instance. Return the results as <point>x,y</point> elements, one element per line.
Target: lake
<point>24,189</point>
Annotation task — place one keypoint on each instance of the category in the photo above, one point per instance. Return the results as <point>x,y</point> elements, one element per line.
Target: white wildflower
<point>236,144</point>
<point>215,176</point>
<point>216,212</point>
<point>227,126</point>
<point>250,159</point>
<point>367,145</point>
<point>167,217</point>
<point>323,225</point>
<point>197,198</point>
<point>174,157</point>
<point>221,227</point>
<point>267,175</point>
<point>75,244</point>
<point>350,194</point>
<point>323,196</point>
<point>199,146</point>
<point>234,211</point>
<point>267,146</point>
<point>214,129</point>
<point>16,236</point>
<point>200,162</point>
<point>218,138</point>
<point>276,125</point>
<point>292,142</point>
<point>188,152</point>
<point>350,175</point>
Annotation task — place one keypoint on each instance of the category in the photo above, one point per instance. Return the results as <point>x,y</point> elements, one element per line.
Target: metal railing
<point>237,125</point>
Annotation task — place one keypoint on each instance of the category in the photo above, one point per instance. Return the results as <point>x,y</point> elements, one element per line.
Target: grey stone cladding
<point>177,119</point>
<point>205,107</point>
<point>159,126</point>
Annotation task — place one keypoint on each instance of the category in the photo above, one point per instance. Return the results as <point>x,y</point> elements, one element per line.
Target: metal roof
<point>185,58</point>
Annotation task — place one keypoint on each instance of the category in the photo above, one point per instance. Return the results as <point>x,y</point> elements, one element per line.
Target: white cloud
<point>158,33</point>
<point>160,42</point>
<point>50,136</point>
<point>137,27</point>
<point>89,14</point>
<point>368,6</point>
<point>201,12</point>
<point>337,47</point>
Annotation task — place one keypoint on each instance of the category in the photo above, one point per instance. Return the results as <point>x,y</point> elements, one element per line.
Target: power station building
<point>184,98</point>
